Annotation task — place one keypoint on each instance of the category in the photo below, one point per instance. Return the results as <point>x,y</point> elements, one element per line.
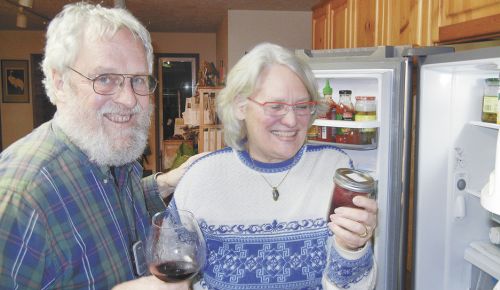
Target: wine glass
<point>175,249</point>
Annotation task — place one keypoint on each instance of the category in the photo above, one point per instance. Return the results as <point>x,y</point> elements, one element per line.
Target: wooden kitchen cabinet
<point>339,24</point>
<point>362,23</point>
<point>407,22</point>
<point>320,27</point>
<point>363,17</point>
<point>346,23</point>
<point>462,20</point>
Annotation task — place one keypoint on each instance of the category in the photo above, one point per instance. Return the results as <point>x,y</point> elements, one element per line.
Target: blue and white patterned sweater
<point>254,242</point>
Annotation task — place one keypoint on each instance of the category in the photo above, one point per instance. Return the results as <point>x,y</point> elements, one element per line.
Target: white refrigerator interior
<point>455,156</point>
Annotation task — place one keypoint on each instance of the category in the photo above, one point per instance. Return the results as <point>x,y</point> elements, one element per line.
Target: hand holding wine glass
<point>151,283</point>
<point>175,248</point>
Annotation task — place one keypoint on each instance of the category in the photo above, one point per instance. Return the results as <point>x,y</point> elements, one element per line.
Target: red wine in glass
<point>174,271</point>
<point>175,248</point>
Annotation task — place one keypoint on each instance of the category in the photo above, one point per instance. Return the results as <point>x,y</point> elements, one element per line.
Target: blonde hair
<point>242,82</point>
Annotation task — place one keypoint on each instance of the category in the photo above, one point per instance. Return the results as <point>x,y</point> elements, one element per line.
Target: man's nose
<point>126,95</point>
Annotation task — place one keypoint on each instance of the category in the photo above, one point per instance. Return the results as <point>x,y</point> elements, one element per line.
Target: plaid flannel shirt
<point>66,223</point>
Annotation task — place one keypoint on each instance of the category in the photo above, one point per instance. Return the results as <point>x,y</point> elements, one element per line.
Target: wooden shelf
<point>210,131</point>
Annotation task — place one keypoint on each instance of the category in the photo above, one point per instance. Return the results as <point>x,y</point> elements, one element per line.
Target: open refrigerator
<point>448,106</point>
<point>455,157</point>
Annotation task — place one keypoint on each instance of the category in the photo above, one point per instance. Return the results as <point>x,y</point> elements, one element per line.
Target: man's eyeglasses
<point>279,109</point>
<point>110,83</point>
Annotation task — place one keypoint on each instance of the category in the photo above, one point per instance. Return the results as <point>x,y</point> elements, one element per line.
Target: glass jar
<point>345,112</point>
<point>348,184</point>
<point>366,110</point>
<point>490,100</point>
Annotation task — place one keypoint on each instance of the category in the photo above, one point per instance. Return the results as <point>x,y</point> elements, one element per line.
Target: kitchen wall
<point>17,118</point>
<point>246,28</point>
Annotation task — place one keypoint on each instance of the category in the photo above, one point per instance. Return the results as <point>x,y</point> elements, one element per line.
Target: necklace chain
<point>275,192</point>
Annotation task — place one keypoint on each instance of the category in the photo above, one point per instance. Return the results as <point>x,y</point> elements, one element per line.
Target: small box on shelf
<point>210,135</point>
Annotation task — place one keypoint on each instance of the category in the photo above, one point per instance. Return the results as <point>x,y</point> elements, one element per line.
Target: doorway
<point>177,81</point>
<point>43,109</point>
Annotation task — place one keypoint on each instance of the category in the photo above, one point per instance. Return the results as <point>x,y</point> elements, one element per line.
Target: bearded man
<point>74,209</point>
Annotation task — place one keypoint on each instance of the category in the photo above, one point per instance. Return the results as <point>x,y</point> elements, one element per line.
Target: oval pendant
<point>276,194</point>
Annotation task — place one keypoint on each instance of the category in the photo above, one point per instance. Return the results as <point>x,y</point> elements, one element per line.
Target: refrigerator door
<point>384,73</point>
<point>455,153</point>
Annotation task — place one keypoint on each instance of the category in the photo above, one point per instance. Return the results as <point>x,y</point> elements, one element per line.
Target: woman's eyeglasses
<point>279,109</point>
<point>111,83</point>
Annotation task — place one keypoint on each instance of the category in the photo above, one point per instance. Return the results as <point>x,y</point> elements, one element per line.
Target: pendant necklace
<point>275,192</point>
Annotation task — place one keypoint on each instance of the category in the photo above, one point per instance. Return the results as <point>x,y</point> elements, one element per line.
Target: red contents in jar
<point>343,197</point>
<point>348,184</point>
<point>351,137</point>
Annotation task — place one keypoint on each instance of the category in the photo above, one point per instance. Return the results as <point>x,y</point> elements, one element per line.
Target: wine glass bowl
<point>175,249</point>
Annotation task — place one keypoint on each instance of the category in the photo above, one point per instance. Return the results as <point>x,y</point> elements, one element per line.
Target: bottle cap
<point>327,90</point>
<point>344,92</point>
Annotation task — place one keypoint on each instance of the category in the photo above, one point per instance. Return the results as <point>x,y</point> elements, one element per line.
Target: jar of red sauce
<point>348,184</point>
<point>345,112</point>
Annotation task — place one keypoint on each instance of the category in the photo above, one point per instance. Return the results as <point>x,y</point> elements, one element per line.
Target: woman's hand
<point>151,283</point>
<point>354,227</point>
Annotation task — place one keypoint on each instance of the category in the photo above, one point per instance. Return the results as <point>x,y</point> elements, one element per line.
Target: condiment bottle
<point>325,132</point>
<point>345,112</point>
<point>490,100</point>
<point>348,184</point>
<point>366,110</point>
<point>327,94</point>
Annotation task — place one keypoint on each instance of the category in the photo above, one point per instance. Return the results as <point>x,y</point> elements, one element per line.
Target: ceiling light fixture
<point>120,4</point>
<point>26,3</point>
<point>21,19</point>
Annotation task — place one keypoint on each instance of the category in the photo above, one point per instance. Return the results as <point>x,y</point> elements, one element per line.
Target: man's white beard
<point>85,128</point>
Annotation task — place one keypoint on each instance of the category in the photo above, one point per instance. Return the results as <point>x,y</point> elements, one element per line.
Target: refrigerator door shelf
<point>495,218</point>
<point>347,124</point>
<point>346,145</point>
<point>485,125</point>
<point>485,256</point>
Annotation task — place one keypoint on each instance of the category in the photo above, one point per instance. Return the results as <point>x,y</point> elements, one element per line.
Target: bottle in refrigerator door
<point>327,94</point>
<point>326,133</point>
<point>332,108</point>
<point>366,110</point>
<point>312,133</point>
<point>345,112</point>
<point>490,100</point>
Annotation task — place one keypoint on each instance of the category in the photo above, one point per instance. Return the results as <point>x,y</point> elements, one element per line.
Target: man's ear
<point>239,107</point>
<point>57,78</point>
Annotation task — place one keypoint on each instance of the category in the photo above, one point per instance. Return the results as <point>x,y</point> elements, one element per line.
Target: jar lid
<point>493,80</point>
<point>367,98</point>
<point>343,92</point>
<point>354,180</point>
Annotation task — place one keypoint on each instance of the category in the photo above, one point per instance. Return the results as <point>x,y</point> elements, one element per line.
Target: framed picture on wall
<point>15,81</point>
